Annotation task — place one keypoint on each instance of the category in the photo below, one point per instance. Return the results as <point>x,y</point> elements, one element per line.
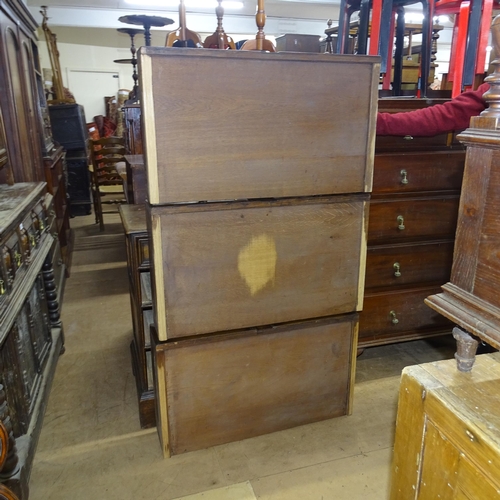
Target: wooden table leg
<point>466,349</point>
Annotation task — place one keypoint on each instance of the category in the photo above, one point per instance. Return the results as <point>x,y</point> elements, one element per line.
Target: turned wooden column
<point>472,297</point>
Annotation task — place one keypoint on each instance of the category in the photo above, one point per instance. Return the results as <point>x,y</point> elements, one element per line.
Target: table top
<point>145,20</point>
<point>130,31</point>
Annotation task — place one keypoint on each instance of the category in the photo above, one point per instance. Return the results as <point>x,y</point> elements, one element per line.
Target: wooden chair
<point>219,39</point>
<point>108,174</point>
<point>183,37</point>
<point>260,42</point>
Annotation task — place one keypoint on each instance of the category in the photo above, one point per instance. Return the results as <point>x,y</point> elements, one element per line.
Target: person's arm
<point>437,119</point>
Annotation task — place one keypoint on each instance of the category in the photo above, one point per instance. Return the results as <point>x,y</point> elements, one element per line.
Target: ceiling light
<point>194,4</point>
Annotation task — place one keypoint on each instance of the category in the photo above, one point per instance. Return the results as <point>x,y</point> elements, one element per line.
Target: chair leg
<point>99,214</point>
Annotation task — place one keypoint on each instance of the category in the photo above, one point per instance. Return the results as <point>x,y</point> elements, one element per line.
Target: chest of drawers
<point>257,208</point>
<point>411,231</point>
<point>139,269</point>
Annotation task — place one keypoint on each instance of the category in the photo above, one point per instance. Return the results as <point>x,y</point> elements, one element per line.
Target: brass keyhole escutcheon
<point>397,269</point>
<point>404,177</point>
<point>394,319</point>
<point>401,222</point>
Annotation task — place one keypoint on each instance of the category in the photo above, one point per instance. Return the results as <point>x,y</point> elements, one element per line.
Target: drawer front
<point>142,246</point>
<point>289,147</point>
<point>429,171</point>
<point>234,386</point>
<point>391,314</point>
<point>233,266</point>
<point>410,143</point>
<point>408,264</point>
<point>411,219</point>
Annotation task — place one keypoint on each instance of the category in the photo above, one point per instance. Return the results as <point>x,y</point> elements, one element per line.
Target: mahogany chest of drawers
<point>411,232</point>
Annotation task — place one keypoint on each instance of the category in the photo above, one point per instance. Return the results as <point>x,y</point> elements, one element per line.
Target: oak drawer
<point>390,314</point>
<point>225,388</point>
<point>290,135</point>
<point>425,171</point>
<point>228,266</point>
<point>408,264</point>
<point>142,249</point>
<point>410,219</point>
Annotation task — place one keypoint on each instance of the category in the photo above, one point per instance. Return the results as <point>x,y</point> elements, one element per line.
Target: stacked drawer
<point>138,263</point>
<point>413,216</point>
<point>258,196</point>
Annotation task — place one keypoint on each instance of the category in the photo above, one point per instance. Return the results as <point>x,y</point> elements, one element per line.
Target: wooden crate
<point>228,266</point>
<point>224,388</point>
<point>232,125</point>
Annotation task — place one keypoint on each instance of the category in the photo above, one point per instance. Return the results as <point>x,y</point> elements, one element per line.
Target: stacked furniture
<point>411,231</point>
<point>257,205</point>
<point>70,130</point>
<point>31,335</point>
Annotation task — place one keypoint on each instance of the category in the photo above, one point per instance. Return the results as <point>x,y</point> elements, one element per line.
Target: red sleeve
<point>437,119</point>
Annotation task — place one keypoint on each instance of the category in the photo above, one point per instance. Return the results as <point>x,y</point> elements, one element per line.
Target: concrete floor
<point>92,447</point>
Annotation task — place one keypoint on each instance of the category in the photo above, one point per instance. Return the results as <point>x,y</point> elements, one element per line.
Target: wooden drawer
<point>142,249</point>
<point>408,264</point>
<point>229,387</point>
<point>425,171</point>
<point>229,266</point>
<point>391,314</point>
<point>410,143</point>
<point>411,219</point>
<point>295,133</point>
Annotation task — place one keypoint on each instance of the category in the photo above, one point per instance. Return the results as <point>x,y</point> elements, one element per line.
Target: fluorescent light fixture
<point>194,4</point>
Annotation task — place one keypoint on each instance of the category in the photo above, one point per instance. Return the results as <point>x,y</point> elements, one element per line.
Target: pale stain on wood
<point>257,263</point>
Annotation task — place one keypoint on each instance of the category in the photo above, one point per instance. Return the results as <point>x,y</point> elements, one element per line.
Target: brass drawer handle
<point>18,259</point>
<point>2,287</point>
<point>408,138</point>
<point>401,222</point>
<point>394,319</point>
<point>397,269</point>
<point>404,176</point>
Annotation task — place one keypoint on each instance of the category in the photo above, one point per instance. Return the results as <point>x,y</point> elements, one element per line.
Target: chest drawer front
<point>394,313</point>
<point>408,142</point>
<point>412,219</point>
<point>142,246</point>
<point>426,171</point>
<point>290,146</point>
<point>254,382</point>
<point>241,265</point>
<point>408,264</point>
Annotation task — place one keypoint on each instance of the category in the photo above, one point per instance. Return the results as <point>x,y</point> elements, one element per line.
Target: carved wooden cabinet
<point>137,241</point>
<point>28,143</point>
<point>411,231</point>
<point>257,206</point>
<point>30,327</point>
<point>447,443</point>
